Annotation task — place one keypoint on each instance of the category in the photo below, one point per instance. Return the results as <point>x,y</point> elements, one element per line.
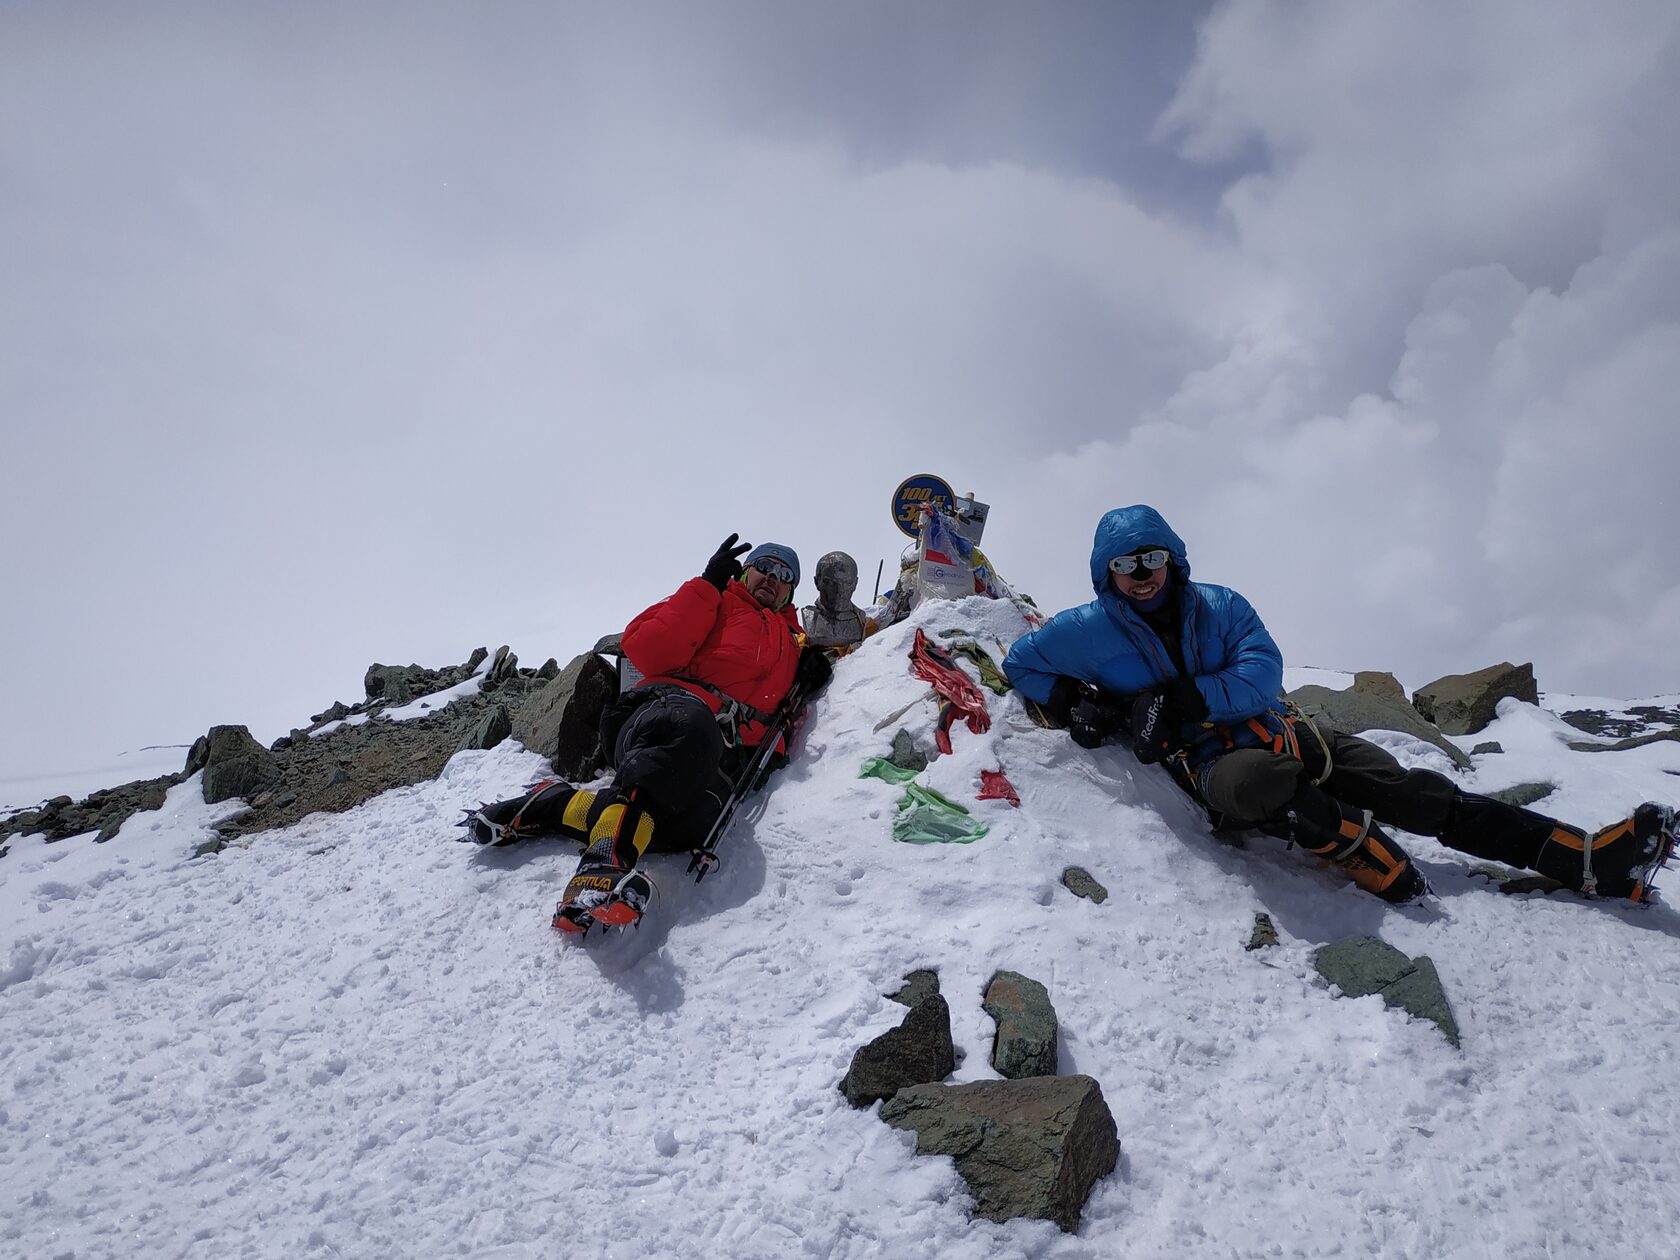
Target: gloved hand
<point>815,669</point>
<point>725,565</point>
<point>1092,721</point>
<point>1159,716</point>
<point>1065,692</point>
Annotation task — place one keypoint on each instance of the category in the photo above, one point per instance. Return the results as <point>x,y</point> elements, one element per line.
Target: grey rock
<point>1462,704</point>
<point>562,718</point>
<point>154,795</point>
<point>919,985</point>
<point>491,730</point>
<point>210,847</point>
<point>905,755</point>
<point>337,711</point>
<point>339,775</point>
<point>1522,795</point>
<point>235,764</point>
<point>1353,712</point>
<point>1081,883</point>
<point>1487,746</point>
<point>503,665</point>
<point>197,755</point>
<point>1364,965</point>
<point>1030,1148</point>
<point>1025,1044</point>
<point>478,657</point>
<point>918,1051</point>
<point>548,669</point>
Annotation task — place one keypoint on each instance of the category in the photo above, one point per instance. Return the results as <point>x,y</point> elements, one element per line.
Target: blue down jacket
<point>1237,667</point>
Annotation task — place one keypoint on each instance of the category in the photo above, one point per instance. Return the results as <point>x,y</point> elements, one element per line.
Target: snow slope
<point>359,1038</point>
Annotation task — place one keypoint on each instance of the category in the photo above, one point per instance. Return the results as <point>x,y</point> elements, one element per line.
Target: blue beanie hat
<point>787,555</point>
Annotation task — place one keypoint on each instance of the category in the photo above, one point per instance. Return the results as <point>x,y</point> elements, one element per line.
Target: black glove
<point>1091,723</point>
<point>1090,715</point>
<point>725,565</point>
<point>815,669</point>
<point>1065,692</point>
<point>1159,716</point>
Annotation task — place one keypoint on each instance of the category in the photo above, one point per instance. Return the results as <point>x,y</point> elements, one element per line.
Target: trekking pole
<point>704,858</point>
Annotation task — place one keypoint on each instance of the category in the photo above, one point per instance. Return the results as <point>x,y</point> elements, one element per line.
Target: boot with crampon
<point>1349,838</point>
<point>606,890</point>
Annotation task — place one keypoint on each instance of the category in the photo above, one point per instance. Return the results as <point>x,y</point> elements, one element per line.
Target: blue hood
<point>1126,529</point>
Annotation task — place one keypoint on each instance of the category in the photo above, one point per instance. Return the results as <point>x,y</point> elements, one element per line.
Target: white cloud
<point>390,332</point>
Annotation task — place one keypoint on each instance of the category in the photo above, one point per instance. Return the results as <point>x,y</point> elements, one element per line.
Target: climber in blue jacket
<point>1187,673</point>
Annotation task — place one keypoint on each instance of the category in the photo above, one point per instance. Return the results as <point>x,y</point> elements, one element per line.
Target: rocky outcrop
<point>918,1051</point>
<point>1462,704</point>
<point>1029,1148</point>
<point>349,754</point>
<point>1353,712</point>
<point>1629,723</point>
<point>234,764</point>
<point>1363,965</point>
<point>102,812</point>
<point>1025,1044</point>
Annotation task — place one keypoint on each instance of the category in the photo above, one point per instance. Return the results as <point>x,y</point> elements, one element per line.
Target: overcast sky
<point>341,333</point>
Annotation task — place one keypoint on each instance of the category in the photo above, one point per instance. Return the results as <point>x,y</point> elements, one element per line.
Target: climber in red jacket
<point>719,655</point>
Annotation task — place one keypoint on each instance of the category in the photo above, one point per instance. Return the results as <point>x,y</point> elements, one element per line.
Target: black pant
<point>667,748</point>
<point>1250,785</point>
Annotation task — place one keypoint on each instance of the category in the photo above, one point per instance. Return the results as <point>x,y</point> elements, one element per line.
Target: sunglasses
<point>1126,566</point>
<point>781,570</point>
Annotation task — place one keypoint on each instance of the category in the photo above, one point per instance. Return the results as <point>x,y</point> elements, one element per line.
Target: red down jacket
<point>728,640</point>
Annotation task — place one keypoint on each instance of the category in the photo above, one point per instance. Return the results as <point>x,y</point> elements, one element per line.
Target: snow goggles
<point>781,570</point>
<point>1154,559</point>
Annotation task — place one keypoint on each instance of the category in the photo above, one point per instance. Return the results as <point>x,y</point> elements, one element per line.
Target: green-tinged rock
<point>1025,1044</point>
<point>1361,965</point>
<point>1030,1148</point>
<point>1419,994</point>
<point>1081,883</point>
<point>1364,965</point>
<point>1487,746</point>
<point>918,987</point>
<point>918,1051</point>
<point>235,765</point>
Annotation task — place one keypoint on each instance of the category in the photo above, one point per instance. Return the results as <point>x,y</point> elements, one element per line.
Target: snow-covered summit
<point>357,1037</point>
